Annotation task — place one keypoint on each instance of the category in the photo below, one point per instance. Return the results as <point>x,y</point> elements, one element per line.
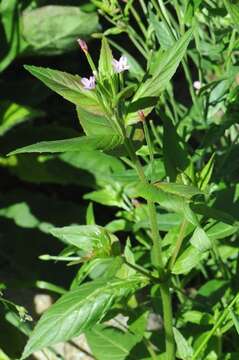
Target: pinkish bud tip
<point>83,45</point>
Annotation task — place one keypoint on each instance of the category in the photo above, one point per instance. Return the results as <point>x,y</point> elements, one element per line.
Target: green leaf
<point>166,68</point>
<point>109,196</point>
<point>233,10</point>
<point>200,240</point>
<point>79,310</point>
<point>162,32</point>
<point>53,30</point>
<point>186,191</point>
<point>170,202</point>
<point>108,343</point>
<point>90,216</point>
<point>10,19</point>
<point>94,124</point>
<point>188,260</point>
<point>68,86</point>
<point>174,155</point>
<point>12,114</point>
<point>83,143</point>
<point>220,230</point>
<point>106,59</point>
<point>93,240</point>
<point>235,320</point>
<point>184,351</point>
<point>206,173</point>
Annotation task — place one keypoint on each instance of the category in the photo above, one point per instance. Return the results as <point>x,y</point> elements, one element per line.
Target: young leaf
<point>79,310</point>
<point>166,68</point>
<point>93,240</point>
<point>200,240</point>
<point>106,59</point>
<point>83,143</point>
<point>90,216</point>
<point>68,86</point>
<point>108,343</point>
<point>185,351</point>
<point>206,173</point>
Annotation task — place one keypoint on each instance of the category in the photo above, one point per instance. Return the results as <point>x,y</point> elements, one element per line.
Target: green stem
<point>168,321</point>
<point>158,261</point>
<point>141,270</point>
<point>138,20</point>
<point>215,327</point>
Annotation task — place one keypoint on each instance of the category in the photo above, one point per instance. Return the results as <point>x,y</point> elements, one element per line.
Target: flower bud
<point>83,45</point>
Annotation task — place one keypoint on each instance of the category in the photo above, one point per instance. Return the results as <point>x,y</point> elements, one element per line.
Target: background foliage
<point>51,200</point>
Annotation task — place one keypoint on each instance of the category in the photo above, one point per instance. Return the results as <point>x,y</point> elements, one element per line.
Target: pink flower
<point>88,84</point>
<point>121,65</point>
<point>83,45</point>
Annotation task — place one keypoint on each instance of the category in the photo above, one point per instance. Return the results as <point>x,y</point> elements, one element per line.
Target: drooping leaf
<point>53,29</point>
<point>105,142</point>
<point>79,310</point>
<point>93,240</point>
<point>108,343</point>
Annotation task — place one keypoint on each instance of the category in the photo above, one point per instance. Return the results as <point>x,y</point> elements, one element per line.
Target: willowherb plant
<point>166,200</point>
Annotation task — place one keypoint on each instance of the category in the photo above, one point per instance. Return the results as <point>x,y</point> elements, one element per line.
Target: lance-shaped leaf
<point>166,68</point>
<point>84,143</point>
<point>108,343</point>
<point>93,240</point>
<point>95,124</point>
<point>79,310</point>
<point>186,191</point>
<point>106,59</point>
<point>200,240</point>
<point>168,201</point>
<point>68,86</point>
